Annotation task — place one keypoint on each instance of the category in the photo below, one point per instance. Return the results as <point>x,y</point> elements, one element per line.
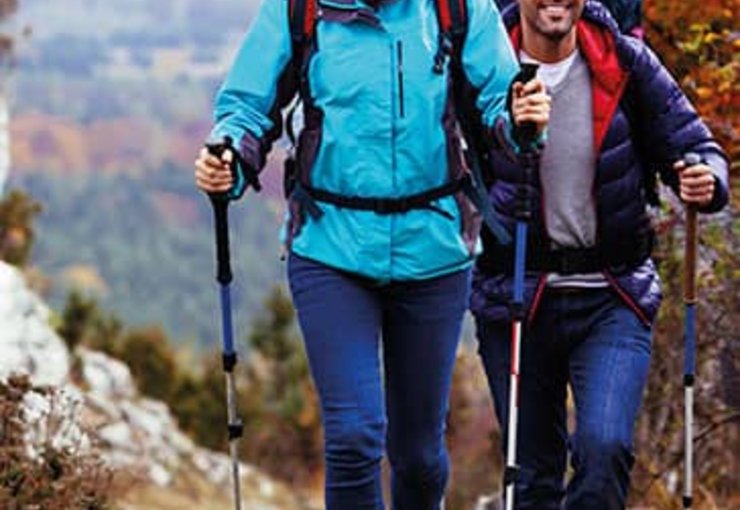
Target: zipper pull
<point>399,66</point>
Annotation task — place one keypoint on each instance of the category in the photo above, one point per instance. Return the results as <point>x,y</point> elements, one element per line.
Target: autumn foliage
<point>699,41</point>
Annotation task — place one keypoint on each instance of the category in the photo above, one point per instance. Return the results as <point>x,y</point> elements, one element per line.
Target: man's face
<point>553,19</point>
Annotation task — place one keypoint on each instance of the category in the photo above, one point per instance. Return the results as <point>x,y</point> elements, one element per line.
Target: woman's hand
<point>213,174</point>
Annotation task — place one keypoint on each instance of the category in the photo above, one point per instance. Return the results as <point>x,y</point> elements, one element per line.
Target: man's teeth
<point>555,9</point>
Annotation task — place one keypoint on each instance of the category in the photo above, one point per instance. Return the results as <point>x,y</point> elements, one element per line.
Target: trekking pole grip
<point>223,256</point>
<point>690,256</point>
<point>526,133</point>
<point>220,203</point>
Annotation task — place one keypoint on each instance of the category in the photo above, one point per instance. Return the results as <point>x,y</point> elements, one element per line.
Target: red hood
<point>609,78</point>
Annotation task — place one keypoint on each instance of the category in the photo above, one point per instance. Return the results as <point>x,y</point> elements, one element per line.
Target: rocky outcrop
<point>27,343</point>
<point>104,411</point>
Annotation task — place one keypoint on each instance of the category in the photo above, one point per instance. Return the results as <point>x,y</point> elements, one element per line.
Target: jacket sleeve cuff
<point>250,148</point>
<point>500,136</point>
<point>252,152</point>
<point>721,197</point>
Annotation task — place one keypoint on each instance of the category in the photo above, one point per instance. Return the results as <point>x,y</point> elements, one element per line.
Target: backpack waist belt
<point>569,261</point>
<point>381,205</point>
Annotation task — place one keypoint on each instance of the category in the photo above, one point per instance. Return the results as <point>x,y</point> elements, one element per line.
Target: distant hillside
<point>163,20</point>
<point>111,102</point>
<point>143,245</point>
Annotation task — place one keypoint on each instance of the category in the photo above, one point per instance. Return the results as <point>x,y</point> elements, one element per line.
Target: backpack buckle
<point>444,49</point>
<point>385,206</point>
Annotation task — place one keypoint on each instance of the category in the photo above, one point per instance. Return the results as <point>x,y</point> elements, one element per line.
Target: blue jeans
<point>343,318</point>
<point>592,341</point>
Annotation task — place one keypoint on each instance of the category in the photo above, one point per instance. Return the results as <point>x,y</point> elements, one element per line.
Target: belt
<point>569,261</point>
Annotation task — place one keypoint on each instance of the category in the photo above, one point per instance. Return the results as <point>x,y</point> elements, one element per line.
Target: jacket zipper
<point>399,70</point>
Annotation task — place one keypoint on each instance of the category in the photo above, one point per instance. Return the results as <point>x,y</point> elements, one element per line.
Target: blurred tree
<point>151,359</point>
<point>84,323</point>
<point>698,41</point>
<point>473,437</point>
<point>280,405</point>
<point>17,211</point>
<point>199,403</point>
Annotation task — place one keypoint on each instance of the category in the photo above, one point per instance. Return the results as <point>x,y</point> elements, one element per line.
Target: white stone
<point>146,419</point>
<point>119,436</point>
<point>159,475</point>
<point>267,488</point>
<point>100,405</point>
<point>28,343</point>
<point>52,419</point>
<point>181,443</point>
<point>107,377</point>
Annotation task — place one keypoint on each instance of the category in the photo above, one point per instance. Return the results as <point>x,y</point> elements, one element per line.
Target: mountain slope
<point>102,412</point>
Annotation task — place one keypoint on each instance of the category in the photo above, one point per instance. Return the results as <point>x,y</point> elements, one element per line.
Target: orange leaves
<point>699,41</point>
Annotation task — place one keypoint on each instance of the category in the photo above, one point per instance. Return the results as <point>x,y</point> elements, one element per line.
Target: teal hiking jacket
<point>379,122</point>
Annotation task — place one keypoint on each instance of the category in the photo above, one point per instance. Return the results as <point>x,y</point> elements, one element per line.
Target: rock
<point>132,434</point>
<point>51,418</point>
<point>28,344</point>
<point>118,436</point>
<point>160,475</point>
<point>106,377</point>
<point>490,502</point>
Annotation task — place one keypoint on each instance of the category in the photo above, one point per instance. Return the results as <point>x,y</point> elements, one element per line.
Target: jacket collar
<point>596,34</point>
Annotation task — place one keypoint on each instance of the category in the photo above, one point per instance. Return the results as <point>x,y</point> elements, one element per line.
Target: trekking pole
<point>525,137</point>
<point>689,300</point>
<point>220,203</point>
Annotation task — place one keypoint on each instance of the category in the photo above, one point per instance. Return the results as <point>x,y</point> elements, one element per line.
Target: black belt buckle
<point>562,263</point>
<point>382,206</point>
<point>572,261</point>
<point>385,206</point>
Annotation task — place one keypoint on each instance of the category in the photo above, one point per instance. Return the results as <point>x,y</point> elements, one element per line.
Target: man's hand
<point>213,175</point>
<point>696,183</point>
<point>531,103</point>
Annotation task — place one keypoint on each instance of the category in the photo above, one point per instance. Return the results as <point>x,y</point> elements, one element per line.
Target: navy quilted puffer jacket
<point>643,123</point>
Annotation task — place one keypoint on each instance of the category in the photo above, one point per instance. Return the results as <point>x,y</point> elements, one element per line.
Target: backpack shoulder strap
<point>452,17</point>
<point>302,16</point>
<point>302,19</point>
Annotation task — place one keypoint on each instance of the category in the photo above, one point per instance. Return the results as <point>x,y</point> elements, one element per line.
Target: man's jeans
<point>343,318</point>
<point>591,340</point>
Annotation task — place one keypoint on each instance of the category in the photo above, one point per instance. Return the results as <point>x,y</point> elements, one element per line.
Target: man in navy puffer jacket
<point>592,291</point>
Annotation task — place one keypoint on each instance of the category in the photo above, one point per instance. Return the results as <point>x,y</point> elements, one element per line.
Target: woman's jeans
<point>592,341</point>
<point>367,406</point>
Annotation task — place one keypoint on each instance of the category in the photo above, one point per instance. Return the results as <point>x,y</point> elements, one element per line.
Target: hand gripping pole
<point>220,202</point>
<point>689,299</point>
<point>525,135</point>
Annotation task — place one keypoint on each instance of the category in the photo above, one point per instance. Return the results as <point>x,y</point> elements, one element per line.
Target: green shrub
<point>17,211</point>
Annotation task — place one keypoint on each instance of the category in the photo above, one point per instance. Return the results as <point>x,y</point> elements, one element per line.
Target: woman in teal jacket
<point>381,234</point>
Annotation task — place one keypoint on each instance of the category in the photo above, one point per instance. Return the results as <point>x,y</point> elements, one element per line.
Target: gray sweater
<point>568,164</point>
